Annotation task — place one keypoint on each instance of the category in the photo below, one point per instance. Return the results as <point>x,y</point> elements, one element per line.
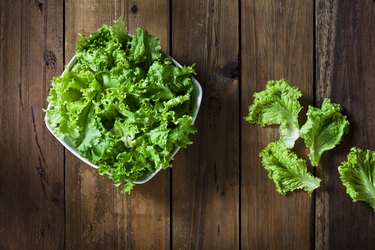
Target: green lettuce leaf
<point>124,105</point>
<point>323,129</point>
<point>358,175</point>
<point>145,48</point>
<point>278,104</point>
<point>286,170</point>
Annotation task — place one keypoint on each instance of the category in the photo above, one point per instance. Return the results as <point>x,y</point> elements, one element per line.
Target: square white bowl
<point>196,98</point>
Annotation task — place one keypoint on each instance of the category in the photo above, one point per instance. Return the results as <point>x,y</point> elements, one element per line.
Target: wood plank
<point>98,215</point>
<point>345,72</point>
<point>277,42</point>
<point>32,162</point>
<point>205,177</point>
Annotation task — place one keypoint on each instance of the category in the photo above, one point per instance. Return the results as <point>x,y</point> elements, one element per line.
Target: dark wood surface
<point>277,42</point>
<point>217,196</point>
<point>345,72</point>
<point>205,186</point>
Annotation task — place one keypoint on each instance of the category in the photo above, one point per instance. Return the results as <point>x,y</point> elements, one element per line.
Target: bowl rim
<point>196,98</point>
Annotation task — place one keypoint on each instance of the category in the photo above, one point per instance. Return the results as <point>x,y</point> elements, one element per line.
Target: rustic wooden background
<point>217,196</point>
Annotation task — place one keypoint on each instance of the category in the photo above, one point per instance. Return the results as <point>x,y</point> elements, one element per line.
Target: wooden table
<point>218,195</point>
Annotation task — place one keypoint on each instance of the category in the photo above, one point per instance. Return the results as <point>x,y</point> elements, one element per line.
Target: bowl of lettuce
<point>122,106</point>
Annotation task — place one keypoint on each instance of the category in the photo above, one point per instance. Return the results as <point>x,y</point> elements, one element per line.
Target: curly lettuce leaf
<point>124,105</point>
<point>323,129</point>
<point>357,174</point>
<point>286,170</point>
<point>278,104</point>
<point>145,48</point>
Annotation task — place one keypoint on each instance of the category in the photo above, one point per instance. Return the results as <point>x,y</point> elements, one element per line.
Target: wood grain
<point>345,72</point>
<point>205,177</point>
<point>32,161</point>
<point>218,195</point>
<point>277,42</point>
<point>99,216</point>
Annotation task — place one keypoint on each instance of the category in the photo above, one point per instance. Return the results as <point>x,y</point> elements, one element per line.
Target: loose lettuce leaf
<point>323,129</point>
<point>145,48</point>
<point>358,175</point>
<point>278,104</point>
<point>124,105</point>
<point>286,170</point>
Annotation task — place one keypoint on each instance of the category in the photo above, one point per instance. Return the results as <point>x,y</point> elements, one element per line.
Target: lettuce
<point>286,170</point>
<point>278,104</point>
<point>358,175</point>
<point>125,106</point>
<point>323,129</point>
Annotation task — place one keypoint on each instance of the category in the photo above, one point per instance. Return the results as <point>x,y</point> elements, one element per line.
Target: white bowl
<point>67,142</point>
